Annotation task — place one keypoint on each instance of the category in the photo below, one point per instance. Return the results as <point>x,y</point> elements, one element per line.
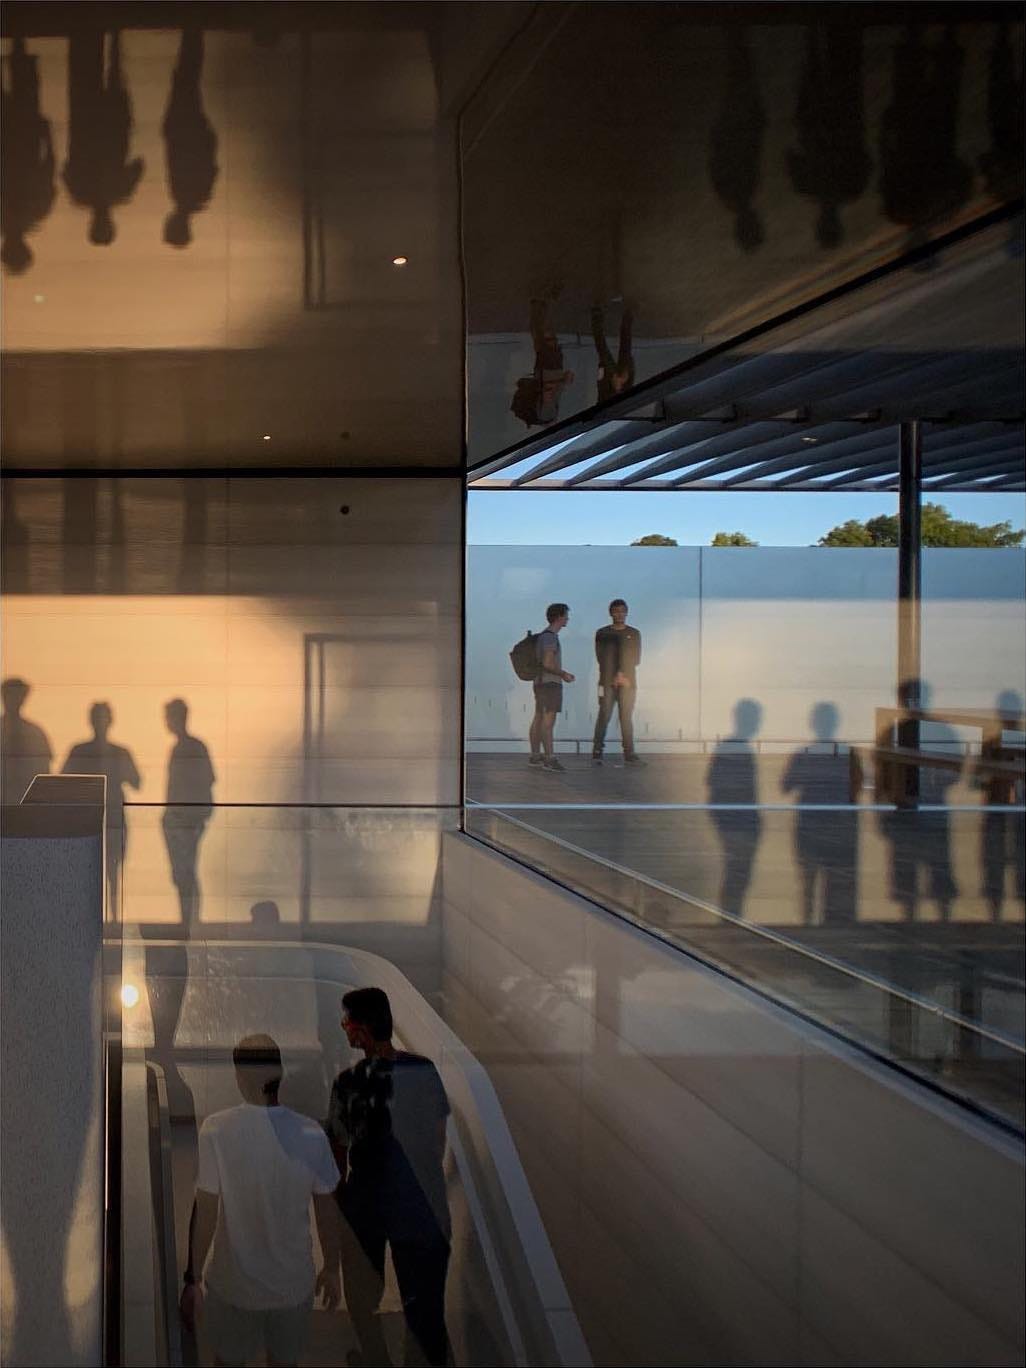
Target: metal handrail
<point>168,1330</point>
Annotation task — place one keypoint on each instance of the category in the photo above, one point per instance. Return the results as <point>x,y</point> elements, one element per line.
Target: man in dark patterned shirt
<point>386,1123</point>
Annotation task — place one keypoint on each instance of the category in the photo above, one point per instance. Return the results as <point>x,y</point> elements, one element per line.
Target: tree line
<point>939,528</point>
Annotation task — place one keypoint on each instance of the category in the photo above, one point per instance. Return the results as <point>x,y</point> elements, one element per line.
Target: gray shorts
<point>235,1334</point>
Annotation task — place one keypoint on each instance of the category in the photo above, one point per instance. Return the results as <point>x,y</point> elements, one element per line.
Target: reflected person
<point>825,843</point>
<point>736,141</point>
<point>99,755</point>
<point>536,398</point>
<point>548,688</point>
<point>250,1279</point>
<point>25,749</point>
<point>618,652</point>
<point>98,173</point>
<point>387,1125</point>
<point>190,142</point>
<point>190,785</point>
<point>27,157</point>
<point>732,779</point>
<point>1003,829</point>
<point>614,376</point>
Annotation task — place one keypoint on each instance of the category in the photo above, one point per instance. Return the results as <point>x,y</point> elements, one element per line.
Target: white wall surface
<point>722,1184</point>
<point>788,627</point>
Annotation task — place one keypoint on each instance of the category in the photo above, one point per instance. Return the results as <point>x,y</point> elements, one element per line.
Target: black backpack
<point>524,658</point>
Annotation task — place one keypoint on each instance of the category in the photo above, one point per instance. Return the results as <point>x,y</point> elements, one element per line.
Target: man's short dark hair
<point>260,1057</point>
<point>370,1007</point>
<point>556,610</point>
<point>617,603</point>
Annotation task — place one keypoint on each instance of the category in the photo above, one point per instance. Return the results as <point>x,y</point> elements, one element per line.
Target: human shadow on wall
<point>27,159</point>
<point>919,843</point>
<point>825,843</point>
<point>732,778</point>
<point>830,163</point>
<point>1003,832</point>
<point>189,804</point>
<point>1002,163</point>
<point>24,746</point>
<point>190,142</point>
<point>736,142</point>
<point>98,173</point>
<point>100,755</point>
<point>922,178</point>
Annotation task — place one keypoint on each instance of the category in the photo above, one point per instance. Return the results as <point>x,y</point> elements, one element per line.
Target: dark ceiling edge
<point>235,473</point>
<point>651,388</point>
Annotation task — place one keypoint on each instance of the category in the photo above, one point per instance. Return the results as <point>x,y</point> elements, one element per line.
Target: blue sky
<point>580,518</point>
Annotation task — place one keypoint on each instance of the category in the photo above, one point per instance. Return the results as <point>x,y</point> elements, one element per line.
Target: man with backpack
<point>549,678</point>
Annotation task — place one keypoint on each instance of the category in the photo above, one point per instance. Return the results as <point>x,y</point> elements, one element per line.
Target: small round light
<point>399,261</point>
<point>129,995</point>
<point>39,299</point>
<point>267,436</point>
<point>810,439</point>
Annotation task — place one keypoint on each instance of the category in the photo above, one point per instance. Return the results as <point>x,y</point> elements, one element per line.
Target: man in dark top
<point>386,1123</point>
<point>618,652</point>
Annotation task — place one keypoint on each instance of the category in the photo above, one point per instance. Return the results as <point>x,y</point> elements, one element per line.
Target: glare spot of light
<point>267,436</point>
<point>399,260</point>
<point>129,995</point>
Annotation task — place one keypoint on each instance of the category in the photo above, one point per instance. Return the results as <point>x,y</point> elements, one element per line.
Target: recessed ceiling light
<point>39,299</point>
<point>399,261</point>
<point>810,439</point>
<point>129,995</point>
<point>267,436</point>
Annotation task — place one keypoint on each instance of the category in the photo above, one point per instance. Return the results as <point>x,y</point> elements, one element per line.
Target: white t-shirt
<point>265,1163</point>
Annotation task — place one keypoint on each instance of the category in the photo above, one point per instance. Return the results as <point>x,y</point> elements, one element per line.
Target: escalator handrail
<point>166,1299</point>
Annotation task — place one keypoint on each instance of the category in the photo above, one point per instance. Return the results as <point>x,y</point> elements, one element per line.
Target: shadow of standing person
<point>825,843</point>
<point>27,159</point>
<point>99,755</point>
<point>190,142</point>
<point>732,779</point>
<point>830,164</point>
<point>735,146</point>
<point>1003,832</point>
<point>25,748</point>
<point>922,178</point>
<point>97,173</point>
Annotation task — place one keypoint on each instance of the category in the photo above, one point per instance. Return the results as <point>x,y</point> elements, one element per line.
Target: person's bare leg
<point>548,721</point>
<point>535,733</point>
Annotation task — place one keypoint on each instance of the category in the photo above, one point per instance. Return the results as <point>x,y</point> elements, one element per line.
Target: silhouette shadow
<point>825,843</point>
<point>25,748</point>
<point>830,164</point>
<point>190,142</point>
<point>98,174</point>
<point>1003,834</point>
<point>921,841</point>
<point>732,778</point>
<point>922,178</point>
<point>736,141</point>
<point>27,158</point>
<point>99,755</point>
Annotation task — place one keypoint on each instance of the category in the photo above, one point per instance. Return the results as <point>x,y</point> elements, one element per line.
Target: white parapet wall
<point>52,1161</point>
<point>786,626</point>
<point>721,1182</point>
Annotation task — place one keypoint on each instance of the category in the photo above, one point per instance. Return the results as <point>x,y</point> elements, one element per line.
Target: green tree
<point>939,529</point>
<point>732,539</point>
<point>655,539</point>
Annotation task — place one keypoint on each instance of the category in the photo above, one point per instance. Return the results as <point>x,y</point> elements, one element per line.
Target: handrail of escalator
<point>168,1331</point>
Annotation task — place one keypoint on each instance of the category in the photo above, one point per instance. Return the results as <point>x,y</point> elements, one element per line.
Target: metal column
<point>910,563</point>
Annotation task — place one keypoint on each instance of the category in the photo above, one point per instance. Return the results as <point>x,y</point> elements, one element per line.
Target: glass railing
<point>270,888</point>
<point>836,912</point>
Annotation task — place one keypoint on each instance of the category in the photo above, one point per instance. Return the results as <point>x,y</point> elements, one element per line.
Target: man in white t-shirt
<point>259,1166</point>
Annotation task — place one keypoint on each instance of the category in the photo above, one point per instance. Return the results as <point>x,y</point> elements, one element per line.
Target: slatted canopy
<point>815,403</point>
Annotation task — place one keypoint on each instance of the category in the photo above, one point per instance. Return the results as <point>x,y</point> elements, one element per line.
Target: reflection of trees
<point>97,173</point>
<point>26,156</point>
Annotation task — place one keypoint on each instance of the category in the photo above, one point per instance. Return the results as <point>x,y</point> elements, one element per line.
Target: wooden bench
<point>1005,766</point>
